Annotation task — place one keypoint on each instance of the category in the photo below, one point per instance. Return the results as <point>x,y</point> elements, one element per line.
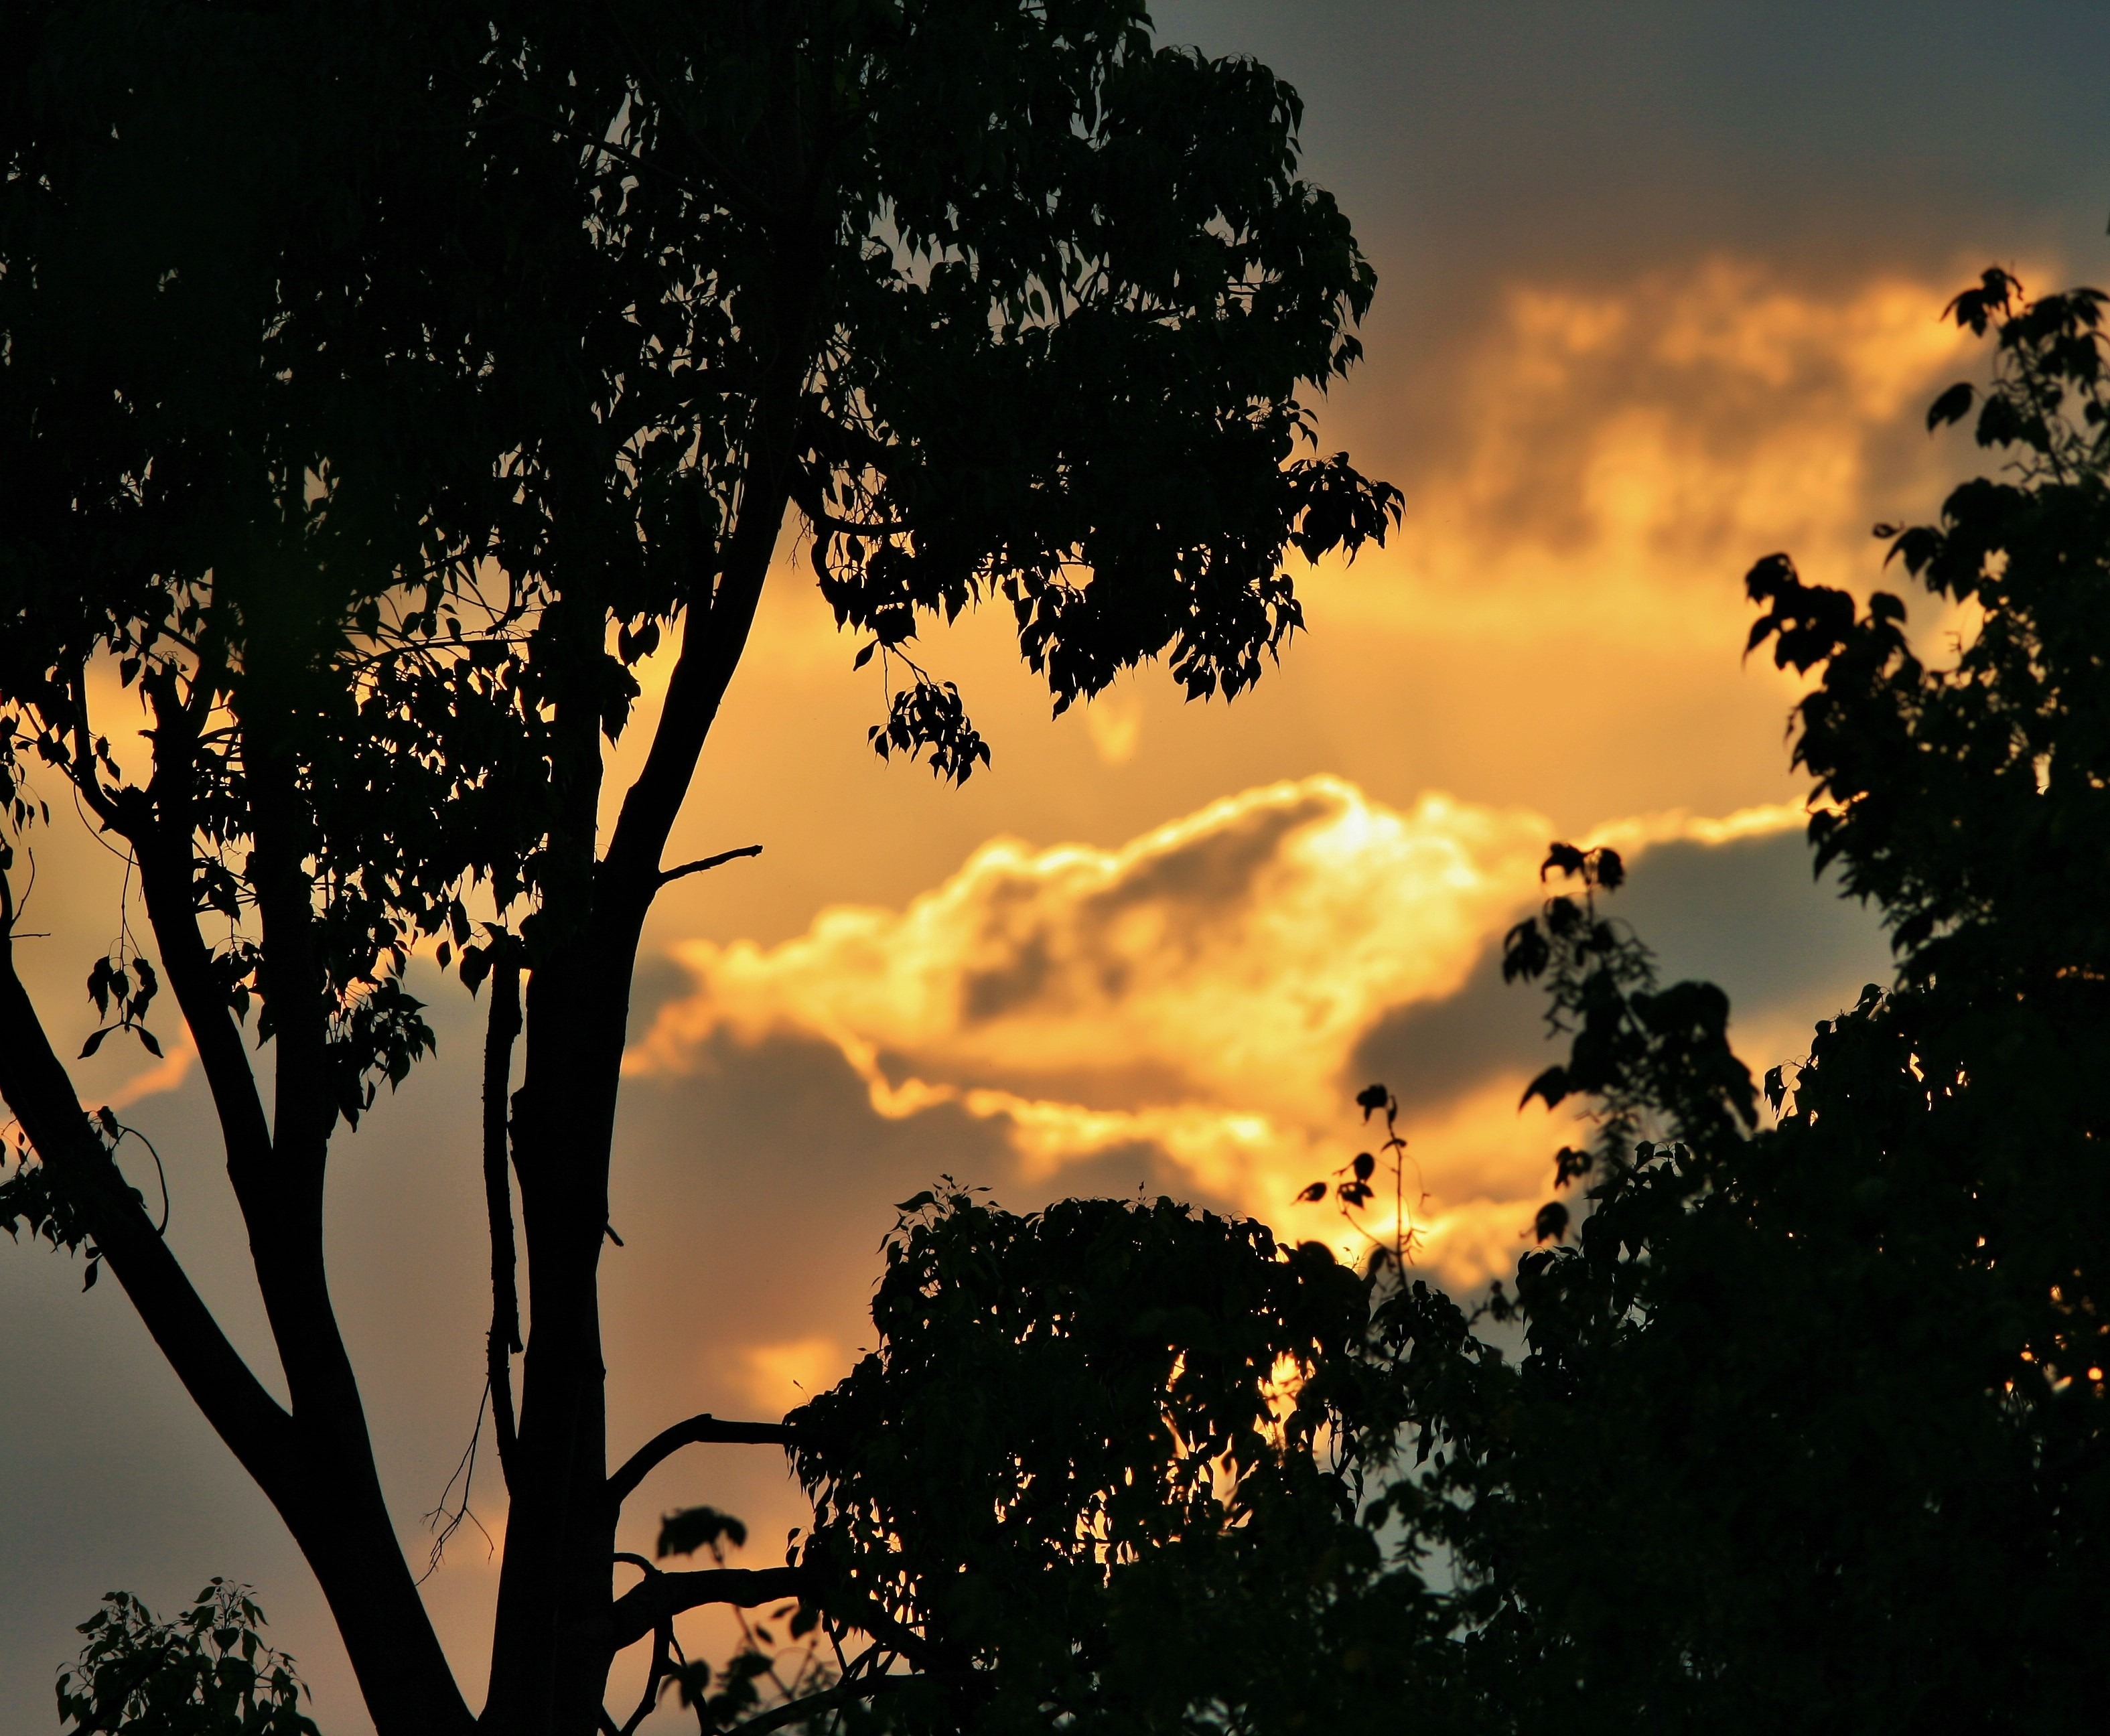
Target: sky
<point>1659,290</point>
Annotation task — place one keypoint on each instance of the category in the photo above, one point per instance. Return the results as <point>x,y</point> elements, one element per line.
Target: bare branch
<point>41,1095</point>
<point>708,863</point>
<point>664,1647</point>
<point>503,1338</point>
<point>440,1521</point>
<point>702,1430</point>
<point>662,1596</point>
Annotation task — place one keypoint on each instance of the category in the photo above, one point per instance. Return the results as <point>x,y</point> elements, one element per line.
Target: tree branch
<point>41,1093</point>
<point>158,824</point>
<point>709,863</point>
<point>503,1338</point>
<point>793,1711</point>
<point>663,1659</point>
<point>715,632</point>
<point>81,768</point>
<point>701,1430</point>
<point>290,970</point>
<point>662,1596</point>
<point>315,1465</point>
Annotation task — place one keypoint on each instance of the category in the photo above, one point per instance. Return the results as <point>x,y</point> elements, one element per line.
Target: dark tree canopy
<point>379,385</point>
<point>1811,1431</point>
<point>210,1672</point>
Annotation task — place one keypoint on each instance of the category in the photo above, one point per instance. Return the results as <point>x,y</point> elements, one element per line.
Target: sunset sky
<point>1659,294</point>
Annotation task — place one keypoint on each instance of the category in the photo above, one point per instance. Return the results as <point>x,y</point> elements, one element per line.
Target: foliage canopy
<point>1811,1429</point>
<point>371,466</point>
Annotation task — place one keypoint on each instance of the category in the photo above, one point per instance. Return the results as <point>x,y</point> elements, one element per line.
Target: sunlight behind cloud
<point>1200,991</point>
<point>778,1378</point>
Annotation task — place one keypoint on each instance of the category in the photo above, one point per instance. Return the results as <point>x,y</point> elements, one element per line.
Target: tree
<point>1811,1430</point>
<point>207,1673</point>
<point>1097,1456</point>
<point>375,462</point>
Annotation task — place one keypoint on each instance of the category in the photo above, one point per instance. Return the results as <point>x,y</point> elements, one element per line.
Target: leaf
<point>916,1202</point>
<point>1552,1085</point>
<point>1565,857</point>
<point>1311,1192</point>
<point>693,1528</point>
<point>95,1042</point>
<point>1953,405</point>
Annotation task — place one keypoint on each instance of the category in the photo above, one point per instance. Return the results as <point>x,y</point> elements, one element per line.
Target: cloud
<point>1610,459</point>
<point>1212,990</point>
<point>166,1074</point>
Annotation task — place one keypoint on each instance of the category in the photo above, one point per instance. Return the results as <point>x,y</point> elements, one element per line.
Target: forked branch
<point>665,1648</point>
<point>38,1090</point>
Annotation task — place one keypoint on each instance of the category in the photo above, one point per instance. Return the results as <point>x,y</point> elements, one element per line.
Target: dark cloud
<point>1748,915</point>
<point>1433,1052</point>
<point>657,980</point>
<point>1745,915</point>
<point>1475,145</point>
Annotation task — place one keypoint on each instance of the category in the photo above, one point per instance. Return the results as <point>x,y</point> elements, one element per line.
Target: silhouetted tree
<point>378,385</point>
<point>208,1673</point>
<point>1810,1432</point>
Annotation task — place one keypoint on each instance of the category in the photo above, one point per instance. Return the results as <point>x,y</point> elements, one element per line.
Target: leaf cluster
<point>375,464</point>
<point>207,1672</point>
<point>1079,1423</point>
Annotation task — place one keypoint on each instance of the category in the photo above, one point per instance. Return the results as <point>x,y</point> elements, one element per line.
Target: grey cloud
<point>1476,145</point>
<point>656,980</point>
<point>1215,869</point>
<point>1745,915</point>
<point>1433,1052</point>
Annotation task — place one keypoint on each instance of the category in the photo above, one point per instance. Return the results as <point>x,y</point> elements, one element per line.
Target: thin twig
<point>464,1473</point>
<point>709,862</point>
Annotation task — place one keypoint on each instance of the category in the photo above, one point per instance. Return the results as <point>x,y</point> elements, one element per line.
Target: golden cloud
<point>1201,991</point>
<point>1616,457</point>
